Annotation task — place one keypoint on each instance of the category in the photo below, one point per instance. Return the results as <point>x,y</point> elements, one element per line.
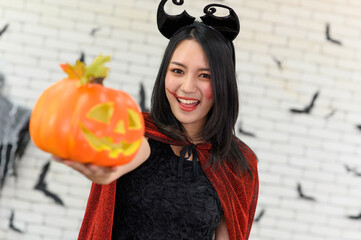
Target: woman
<point>192,178</point>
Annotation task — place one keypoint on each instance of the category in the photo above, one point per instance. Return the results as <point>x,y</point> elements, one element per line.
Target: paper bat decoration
<point>41,185</point>
<point>241,131</point>
<point>11,223</point>
<point>82,57</point>
<point>302,195</point>
<point>142,102</point>
<point>352,170</point>
<point>279,63</point>
<point>93,31</point>
<point>4,29</point>
<point>330,114</point>
<point>260,215</point>
<point>307,109</point>
<point>329,38</point>
<point>355,217</point>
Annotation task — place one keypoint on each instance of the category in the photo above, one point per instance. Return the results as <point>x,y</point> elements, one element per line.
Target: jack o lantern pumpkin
<point>78,118</point>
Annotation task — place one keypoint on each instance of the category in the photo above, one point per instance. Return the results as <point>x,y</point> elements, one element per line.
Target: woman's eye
<point>176,70</point>
<point>205,75</point>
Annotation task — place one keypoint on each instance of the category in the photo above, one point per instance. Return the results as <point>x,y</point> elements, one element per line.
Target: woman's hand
<point>106,175</point>
<point>221,231</point>
<point>97,174</point>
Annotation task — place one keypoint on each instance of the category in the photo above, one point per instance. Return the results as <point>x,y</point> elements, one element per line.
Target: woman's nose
<point>189,84</point>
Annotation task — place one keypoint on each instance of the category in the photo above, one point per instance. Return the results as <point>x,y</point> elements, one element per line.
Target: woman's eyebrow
<point>179,64</point>
<point>182,65</point>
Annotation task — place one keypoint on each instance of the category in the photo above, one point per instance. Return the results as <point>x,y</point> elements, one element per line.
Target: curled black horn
<point>169,24</point>
<point>228,26</point>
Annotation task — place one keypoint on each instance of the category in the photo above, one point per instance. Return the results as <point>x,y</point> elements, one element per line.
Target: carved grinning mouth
<point>107,144</point>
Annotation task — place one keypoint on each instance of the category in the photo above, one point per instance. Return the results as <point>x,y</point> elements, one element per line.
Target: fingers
<point>56,158</point>
<point>95,173</point>
<point>89,170</point>
<point>80,167</point>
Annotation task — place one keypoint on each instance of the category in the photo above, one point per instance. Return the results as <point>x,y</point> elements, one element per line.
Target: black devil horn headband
<point>168,25</point>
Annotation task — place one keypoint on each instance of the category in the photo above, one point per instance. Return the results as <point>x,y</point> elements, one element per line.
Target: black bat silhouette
<point>356,217</point>
<point>142,99</point>
<point>260,215</point>
<point>330,114</point>
<point>307,109</point>
<point>11,223</point>
<point>302,195</point>
<point>348,168</point>
<point>93,31</point>
<point>358,127</point>
<point>352,170</point>
<point>279,63</point>
<point>329,38</point>
<point>41,185</point>
<point>241,131</point>
<point>4,29</point>
<point>82,57</point>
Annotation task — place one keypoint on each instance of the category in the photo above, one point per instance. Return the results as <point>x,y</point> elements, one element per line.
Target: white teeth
<point>187,101</point>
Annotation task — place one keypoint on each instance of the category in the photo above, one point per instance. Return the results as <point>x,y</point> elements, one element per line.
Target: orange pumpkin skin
<point>88,123</point>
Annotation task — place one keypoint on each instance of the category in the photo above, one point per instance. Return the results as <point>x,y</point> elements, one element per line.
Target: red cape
<point>238,193</point>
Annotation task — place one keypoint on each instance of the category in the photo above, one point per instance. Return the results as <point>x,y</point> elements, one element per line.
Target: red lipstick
<point>185,103</point>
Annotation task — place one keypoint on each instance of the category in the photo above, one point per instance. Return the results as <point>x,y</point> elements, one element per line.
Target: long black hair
<point>221,119</point>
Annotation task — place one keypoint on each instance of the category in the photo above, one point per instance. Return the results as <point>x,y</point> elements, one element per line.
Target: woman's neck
<point>193,132</point>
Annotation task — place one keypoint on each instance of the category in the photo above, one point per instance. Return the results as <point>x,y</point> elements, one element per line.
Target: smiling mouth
<point>186,104</point>
<point>187,101</point>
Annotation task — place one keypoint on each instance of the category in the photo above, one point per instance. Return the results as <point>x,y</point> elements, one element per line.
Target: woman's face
<point>188,85</point>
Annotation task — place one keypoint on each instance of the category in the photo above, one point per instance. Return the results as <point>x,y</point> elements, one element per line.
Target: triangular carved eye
<point>102,112</point>
<point>120,128</point>
<point>134,119</point>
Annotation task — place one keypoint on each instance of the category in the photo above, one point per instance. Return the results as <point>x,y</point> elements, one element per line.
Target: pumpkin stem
<point>97,80</point>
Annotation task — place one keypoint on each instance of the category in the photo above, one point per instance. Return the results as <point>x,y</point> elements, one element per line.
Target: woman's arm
<point>106,175</point>
<point>221,231</point>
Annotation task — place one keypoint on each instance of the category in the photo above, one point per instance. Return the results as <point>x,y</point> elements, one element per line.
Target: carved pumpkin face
<point>111,129</point>
<point>84,121</point>
<point>89,124</point>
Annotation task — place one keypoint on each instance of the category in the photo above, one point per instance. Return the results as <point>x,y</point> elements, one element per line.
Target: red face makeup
<point>208,93</point>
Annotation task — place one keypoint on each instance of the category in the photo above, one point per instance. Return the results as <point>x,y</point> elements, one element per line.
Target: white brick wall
<point>312,150</point>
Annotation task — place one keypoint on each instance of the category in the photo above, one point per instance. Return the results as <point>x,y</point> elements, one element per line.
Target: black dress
<point>166,198</point>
